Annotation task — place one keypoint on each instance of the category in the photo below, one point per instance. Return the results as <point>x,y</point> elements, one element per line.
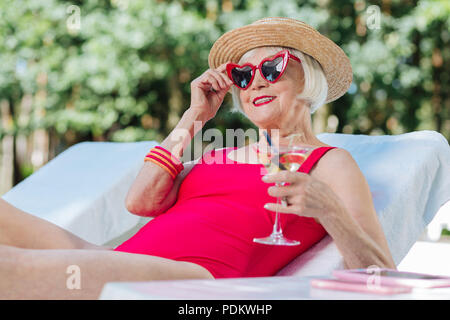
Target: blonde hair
<point>315,89</point>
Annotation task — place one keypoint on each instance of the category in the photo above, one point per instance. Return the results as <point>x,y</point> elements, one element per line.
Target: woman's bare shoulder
<point>335,163</point>
<point>339,170</point>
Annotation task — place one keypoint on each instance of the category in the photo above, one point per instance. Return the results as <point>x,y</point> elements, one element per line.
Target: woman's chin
<point>263,122</point>
<point>263,116</point>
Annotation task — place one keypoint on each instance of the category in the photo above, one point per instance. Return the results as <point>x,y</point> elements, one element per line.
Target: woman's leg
<point>81,274</point>
<point>23,230</point>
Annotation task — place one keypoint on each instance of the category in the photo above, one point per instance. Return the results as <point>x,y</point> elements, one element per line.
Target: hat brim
<point>232,45</point>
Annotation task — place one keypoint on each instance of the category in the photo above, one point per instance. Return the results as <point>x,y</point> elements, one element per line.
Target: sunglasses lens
<point>242,76</point>
<point>272,69</point>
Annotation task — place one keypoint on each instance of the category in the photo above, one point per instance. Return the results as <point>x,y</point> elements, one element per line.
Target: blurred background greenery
<point>120,70</point>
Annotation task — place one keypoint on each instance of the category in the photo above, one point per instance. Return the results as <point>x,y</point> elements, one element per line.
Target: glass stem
<point>277,232</point>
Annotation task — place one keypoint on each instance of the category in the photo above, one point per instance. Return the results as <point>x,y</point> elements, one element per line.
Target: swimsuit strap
<point>315,155</point>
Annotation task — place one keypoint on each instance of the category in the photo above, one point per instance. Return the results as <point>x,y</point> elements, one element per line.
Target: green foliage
<point>109,74</point>
<point>128,67</point>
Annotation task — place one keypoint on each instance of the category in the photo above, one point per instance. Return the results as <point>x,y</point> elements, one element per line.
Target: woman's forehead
<point>258,54</point>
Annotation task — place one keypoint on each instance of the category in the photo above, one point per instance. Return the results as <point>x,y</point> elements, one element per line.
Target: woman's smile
<point>261,100</point>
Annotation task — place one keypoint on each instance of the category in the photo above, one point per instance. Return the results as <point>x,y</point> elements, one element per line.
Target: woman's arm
<point>337,194</point>
<point>354,225</point>
<point>154,190</point>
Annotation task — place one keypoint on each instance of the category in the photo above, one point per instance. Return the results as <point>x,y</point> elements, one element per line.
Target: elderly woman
<point>208,212</point>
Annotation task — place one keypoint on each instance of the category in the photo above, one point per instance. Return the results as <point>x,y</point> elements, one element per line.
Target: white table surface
<point>264,288</point>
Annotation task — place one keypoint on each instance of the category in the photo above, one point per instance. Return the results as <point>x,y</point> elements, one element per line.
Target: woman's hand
<point>208,91</point>
<point>305,195</point>
<point>343,206</point>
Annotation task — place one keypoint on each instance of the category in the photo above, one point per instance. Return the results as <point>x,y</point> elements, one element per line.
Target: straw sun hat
<point>286,32</point>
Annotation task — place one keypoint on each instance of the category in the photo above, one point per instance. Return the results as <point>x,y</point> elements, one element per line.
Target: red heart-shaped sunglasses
<point>271,69</point>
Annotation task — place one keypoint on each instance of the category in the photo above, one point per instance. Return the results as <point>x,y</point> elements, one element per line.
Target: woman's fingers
<point>219,77</point>
<point>285,176</point>
<point>281,208</point>
<point>222,72</point>
<point>227,80</point>
<point>216,80</point>
<point>223,79</point>
<point>211,80</point>
<point>293,193</point>
<point>284,191</point>
<point>223,67</point>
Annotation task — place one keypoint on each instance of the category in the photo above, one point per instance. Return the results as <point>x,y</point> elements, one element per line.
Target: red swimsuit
<point>218,212</point>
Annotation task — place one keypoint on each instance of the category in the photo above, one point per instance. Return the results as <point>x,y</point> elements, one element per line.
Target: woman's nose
<point>259,81</point>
